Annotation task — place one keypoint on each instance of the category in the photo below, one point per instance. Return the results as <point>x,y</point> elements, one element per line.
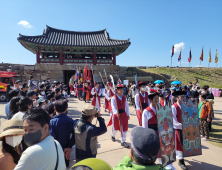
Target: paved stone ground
<point>112,152</point>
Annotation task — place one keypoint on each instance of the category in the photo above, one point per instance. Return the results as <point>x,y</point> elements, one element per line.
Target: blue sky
<point>152,26</point>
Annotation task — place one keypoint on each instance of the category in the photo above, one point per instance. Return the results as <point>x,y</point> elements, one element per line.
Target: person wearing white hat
<point>11,138</point>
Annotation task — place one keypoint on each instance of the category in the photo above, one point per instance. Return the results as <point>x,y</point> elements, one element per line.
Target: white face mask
<point>144,89</point>
<point>20,87</point>
<point>43,93</point>
<point>199,99</point>
<point>43,107</point>
<point>13,140</point>
<point>203,92</point>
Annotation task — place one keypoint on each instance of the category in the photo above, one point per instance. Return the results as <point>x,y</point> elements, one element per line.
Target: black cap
<point>13,93</point>
<point>30,93</point>
<point>120,86</point>
<point>184,87</point>
<point>146,146</point>
<point>142,84</point>
<point>179,93</point>
<point>41,86</point>
<point>18,81</point>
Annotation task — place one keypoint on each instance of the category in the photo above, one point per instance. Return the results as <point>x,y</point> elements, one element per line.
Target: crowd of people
<point>39,134</point>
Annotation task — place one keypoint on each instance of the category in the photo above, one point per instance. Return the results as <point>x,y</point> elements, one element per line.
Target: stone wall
<point>56,72</point>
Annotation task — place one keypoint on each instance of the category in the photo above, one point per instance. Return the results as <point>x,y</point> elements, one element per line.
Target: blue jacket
<point>62,129</point>
<point>86,137</point>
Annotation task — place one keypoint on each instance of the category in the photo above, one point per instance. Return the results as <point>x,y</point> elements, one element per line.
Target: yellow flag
<point>210,56</point>
<point>216,58</point>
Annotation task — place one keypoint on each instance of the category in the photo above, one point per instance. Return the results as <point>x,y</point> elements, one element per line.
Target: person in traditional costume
<point>84,89</point>
<point>141,101</point>
<point>177,125</point>
<point>149,118</point>
<point>106,105</point>
<point>96,92</point>
<point>88,90</point>
<point>79,88</point>
<point>109,96</point>
<point>162,100</point>
<point>120,116</point>
<point>75,89</point>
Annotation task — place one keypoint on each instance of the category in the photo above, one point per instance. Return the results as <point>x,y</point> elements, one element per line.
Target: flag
<point>190,57</point>
<point>172,51</point>
<point>210,56</point>
<point>136,79</point>
<point>201,56</point>
<point>179,58</point>
<point>216,58</point>
<point>77,74</point>
<point>89,75</point>
<point>85,72</point>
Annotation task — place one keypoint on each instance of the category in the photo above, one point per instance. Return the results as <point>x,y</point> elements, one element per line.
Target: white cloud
<point>25,24</point>
<point>183,62</point>
<point>178,47</point>
<point>199,66</point>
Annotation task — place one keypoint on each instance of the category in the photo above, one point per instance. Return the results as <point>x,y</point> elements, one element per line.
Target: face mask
<point>43,107</point>
<point>20,87</point>
<point>21,97</point>
<point>48,80</point>
<point>144,89</point>
<point>13,140</point>
<point>43,93</point>
<point>203,92</point>
<point>32,138</point>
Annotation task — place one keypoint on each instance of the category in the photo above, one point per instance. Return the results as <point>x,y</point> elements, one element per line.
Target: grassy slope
<point>216,134</point>
<point>211,77</point>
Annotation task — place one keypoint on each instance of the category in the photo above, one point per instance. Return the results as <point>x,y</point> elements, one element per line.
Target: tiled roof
<point>52,36</point>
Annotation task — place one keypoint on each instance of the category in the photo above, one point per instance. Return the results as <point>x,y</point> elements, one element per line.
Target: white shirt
<point>107,95</point>
<point>137,101</point>
<point>176,124</point>
<point>148,89</point>
<point>93,92</point>
<point>18,115</point>
<point>113,105</point>
<point>147,116</point>
<point>97,101</point>
<point>42,156</point>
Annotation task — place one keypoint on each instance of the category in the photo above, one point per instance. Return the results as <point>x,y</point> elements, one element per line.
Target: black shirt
<point>23,93</point>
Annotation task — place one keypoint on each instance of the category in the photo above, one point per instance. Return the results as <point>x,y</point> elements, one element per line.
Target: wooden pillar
<point>37,57</point>
<point>61,58</point>
<point>94,58</point>
<point>114,58</point>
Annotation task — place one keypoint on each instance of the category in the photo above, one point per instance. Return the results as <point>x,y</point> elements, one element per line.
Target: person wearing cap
<point>11,138</point>
<point>24,105</point>
<point>184,88</point>
<point>18,85</point>
<point>43,152</point>
<point>141,101</point>
<point>41,103</point>
<point>96,92</point>
<point>86,133</point>
<point>120,116</point>
<point>177,125</point>
<point>12,93</point>
<point>75,90</point>
<point>91,164</point>
<point>61,128</point>
<point>204,108</point>
<point>172,98</point>
<point>24,90</point>
<point>106,105</point>
<point>143,152</point>
<point>48,79</point>
<point>108,96</point>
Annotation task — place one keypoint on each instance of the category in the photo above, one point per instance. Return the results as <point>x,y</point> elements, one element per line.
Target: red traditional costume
<point>141,100</point>
<point>149,120</point>
<point>123,110</point>
<point>108,97</point>
<point>106,106</point>
<point>96,98</point>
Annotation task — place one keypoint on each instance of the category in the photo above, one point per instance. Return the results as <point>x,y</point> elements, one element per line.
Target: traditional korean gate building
<point>72,47</point>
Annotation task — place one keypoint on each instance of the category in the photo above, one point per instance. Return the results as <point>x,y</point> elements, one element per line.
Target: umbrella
<point>176,82</point>
<point>158,81</point>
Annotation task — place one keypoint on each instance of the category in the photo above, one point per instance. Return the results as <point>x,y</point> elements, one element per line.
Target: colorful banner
<point>166,133</point>
<point>191,129</point>
<point>216,58</point>
<point>190,56</point>
<point>201,56</point>
<point>210,56</point>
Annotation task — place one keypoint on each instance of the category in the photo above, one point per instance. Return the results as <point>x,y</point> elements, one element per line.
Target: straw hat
<point>12,127</point>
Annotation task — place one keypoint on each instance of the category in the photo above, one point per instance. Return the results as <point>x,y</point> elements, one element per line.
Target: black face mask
<point>32,138</point>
